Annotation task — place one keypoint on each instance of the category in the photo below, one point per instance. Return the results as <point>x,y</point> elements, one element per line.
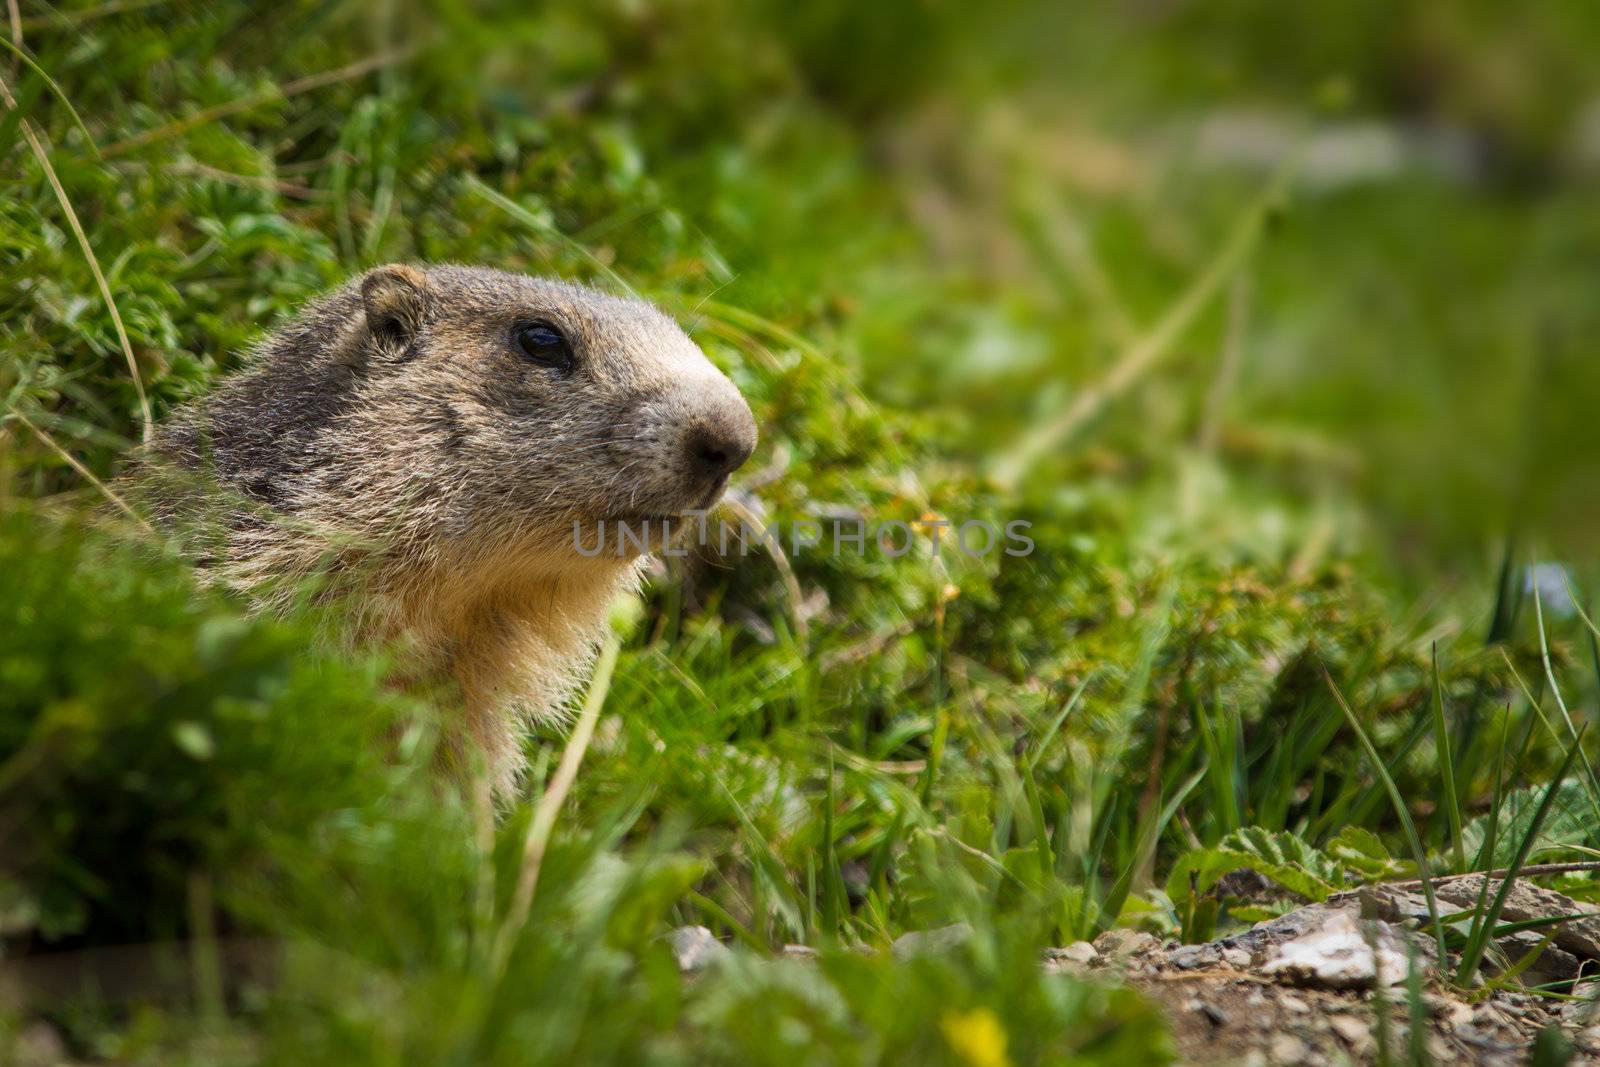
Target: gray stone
<point>1335,954</point>
<point>1213,1014</point>
<point>1079,952</point>
<point>1073,959</point>
<point>1121,944</point>
<point>1288,1049</point>
<point>1580,937</point>
<point>1236,957</point>
<point>1354,1032</point>
<point>1193,957</point>
<point>924,942</point>
<point>696,948</point>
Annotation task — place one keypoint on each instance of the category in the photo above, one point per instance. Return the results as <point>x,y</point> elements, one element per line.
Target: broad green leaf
<point>1563,826</point>
<point>1281,857</point>
<point>1361,851</point>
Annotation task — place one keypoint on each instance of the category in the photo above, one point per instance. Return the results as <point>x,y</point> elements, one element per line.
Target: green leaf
<point>1360,850</point>
<point>193,739</point>
<point>1563,826</point>
<point>1282,857</point>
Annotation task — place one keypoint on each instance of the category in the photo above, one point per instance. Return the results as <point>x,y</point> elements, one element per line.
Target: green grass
<point>1269,438</point>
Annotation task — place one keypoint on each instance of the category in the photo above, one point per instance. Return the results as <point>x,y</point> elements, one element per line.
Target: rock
<point>925,942</point>
<point>1580,937</point>
<point>1393,905</point>
<point>1080,952</point>
<point>1213,1014</point>
<point>1121,944</point>
<point>1447,1010</point>
<point>696,948</point>
<point>1335,955</point>
<point>1073,959</point>
<point>1264,935</point>
<point>1193,957</point>
<point>1354,1032</point>
<point>39,1045</point>
<point>1294,1004</point>
<point>1288,1049</point>
<point>1578,1013</point>
<point>1236,957</point>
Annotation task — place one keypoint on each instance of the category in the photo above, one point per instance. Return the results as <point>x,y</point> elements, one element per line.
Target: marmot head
<point>462,410</point>
<point>552,404</point>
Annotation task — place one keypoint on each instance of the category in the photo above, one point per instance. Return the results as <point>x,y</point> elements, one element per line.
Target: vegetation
<point>1302,437</point>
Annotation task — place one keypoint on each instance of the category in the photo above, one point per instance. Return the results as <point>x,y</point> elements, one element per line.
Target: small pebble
<point>1355,1033</point>
<point>1287,1049</point>
<point>931,942</point>
<point>696,948</point>
<point>1080,952</point>
<point>1214,1015</point>
<point>1193,957</point>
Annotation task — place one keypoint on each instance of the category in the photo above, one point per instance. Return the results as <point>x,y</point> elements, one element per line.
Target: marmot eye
<point>544,344</point>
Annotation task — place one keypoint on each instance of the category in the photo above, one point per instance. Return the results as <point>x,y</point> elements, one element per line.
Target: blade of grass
<point>84,472</point>
<point>36,146</point>
<point>1572,595</point>
<point>1577,606</point>
<point>1416,1009</point>
<point>74,19</point>
<point>1383,1024</point>
<point>1220,769</point>
<point>1506,979</point>
<point>1417,851</point>
<point>1441,740</point>
<point>834,908</point>
<point>1590,780</point>
<point>1148,350</point>
<point>543,823</point>
<point>1049,734</point>
<point>1041,831</point>
<point>1472,955</point>
<point>1544,656</point>
<point>55,90</point>
<point>719,914</point>
<point>538,225</point>
<point>768,863</point>
<point>206,116</point>
<point>1149,834</point>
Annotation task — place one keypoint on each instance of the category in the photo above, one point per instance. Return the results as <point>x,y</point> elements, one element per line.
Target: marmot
<point>431,440</point>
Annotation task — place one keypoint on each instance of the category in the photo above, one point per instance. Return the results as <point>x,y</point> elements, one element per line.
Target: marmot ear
<point>397,300</point>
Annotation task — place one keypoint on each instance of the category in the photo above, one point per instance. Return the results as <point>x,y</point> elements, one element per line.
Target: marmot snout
<point>433,441</point>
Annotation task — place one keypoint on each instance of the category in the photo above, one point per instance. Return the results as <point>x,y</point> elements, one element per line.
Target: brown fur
<point>397,442</point>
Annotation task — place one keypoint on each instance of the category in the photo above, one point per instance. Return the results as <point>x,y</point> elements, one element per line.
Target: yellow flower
<point>976,1036</point>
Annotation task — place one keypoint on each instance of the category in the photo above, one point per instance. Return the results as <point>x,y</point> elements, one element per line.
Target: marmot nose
<point>720,445</point>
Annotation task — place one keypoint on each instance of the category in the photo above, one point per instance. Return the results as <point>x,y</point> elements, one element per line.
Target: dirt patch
<point>1326,984</point>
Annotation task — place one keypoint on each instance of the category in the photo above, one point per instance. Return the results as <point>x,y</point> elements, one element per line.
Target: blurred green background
<point>1276,321</point>
<point>978,212</point>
